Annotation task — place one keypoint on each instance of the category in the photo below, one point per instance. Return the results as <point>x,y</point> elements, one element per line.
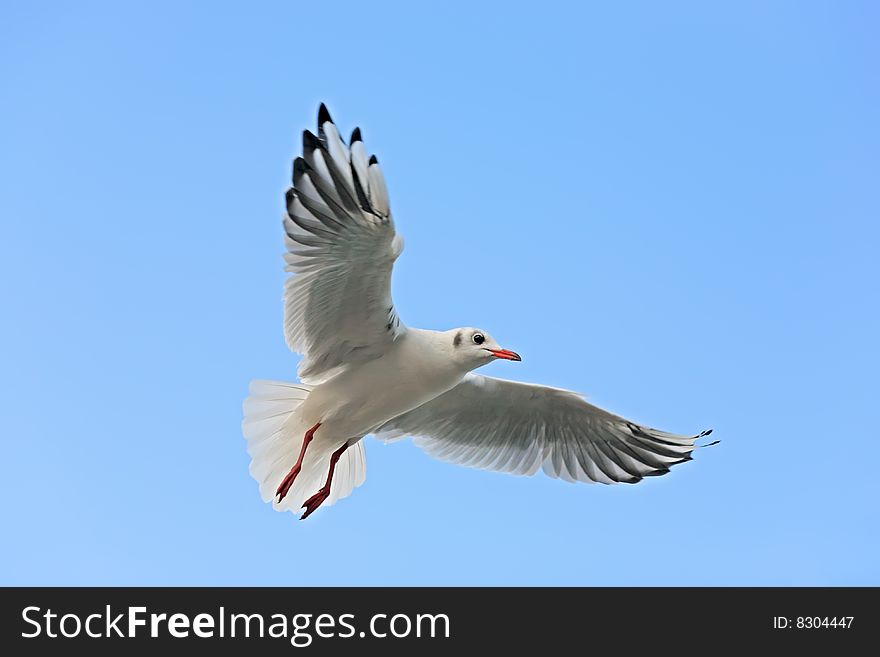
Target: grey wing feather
<point>341,246</point>
<point>520,428</point>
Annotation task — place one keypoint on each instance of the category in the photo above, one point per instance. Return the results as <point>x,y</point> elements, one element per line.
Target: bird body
<point>416,368</point>
<point>365,372</point>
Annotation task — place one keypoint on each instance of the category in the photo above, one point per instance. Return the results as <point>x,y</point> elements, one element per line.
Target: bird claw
<point>286,483</point>
<point>314,502</point>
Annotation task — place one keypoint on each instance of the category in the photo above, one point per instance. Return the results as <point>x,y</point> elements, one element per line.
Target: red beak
<point>506,354</point>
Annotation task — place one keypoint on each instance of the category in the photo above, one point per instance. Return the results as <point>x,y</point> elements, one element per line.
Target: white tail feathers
<point>274,433</point>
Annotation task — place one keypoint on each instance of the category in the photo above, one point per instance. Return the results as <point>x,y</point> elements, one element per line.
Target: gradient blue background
<point>671,208</point>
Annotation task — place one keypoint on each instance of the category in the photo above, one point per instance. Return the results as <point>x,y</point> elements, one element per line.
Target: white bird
<point>364,372</point>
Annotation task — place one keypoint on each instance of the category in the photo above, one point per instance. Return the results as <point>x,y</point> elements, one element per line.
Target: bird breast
<point>358,400</point>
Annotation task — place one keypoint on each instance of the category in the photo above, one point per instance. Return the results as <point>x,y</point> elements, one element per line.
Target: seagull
<point>364,372</point>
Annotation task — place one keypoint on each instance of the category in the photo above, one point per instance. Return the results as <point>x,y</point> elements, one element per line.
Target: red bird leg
<point>287,482</point>
<point>324,492</point>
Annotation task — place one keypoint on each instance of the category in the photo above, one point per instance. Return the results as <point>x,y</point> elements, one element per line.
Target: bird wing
<point>341,246</point>
<point>519,427</point>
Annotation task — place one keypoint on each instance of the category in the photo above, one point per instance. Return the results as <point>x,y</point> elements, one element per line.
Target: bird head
<point>474,348</point>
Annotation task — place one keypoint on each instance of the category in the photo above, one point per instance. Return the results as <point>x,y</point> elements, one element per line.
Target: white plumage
<point>363,371</point>
<point>273,442</point>
<point>520,428</point>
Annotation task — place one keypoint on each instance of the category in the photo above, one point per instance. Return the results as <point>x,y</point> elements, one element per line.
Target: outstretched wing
<point>518,428</point>
<point>341,247</point>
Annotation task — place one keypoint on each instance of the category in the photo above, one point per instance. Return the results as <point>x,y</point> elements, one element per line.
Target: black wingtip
<point>323,115</point>
<point>356,135</point>
<point>310,141</point>
<point>300,166</point>
<point>373,160</point>
<point>705,433</point>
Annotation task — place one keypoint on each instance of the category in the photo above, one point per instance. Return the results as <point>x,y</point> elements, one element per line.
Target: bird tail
<point>275,431</point>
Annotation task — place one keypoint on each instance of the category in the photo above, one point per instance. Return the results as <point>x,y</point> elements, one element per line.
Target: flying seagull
<point>364,372</point>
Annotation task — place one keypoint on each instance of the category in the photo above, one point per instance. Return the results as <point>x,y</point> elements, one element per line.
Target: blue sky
<point>672,208</point>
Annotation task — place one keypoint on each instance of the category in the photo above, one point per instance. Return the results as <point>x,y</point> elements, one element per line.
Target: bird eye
<point>479,338</point>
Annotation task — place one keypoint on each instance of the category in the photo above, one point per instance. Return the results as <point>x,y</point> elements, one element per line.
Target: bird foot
<point>315,501</point>
<point>284,487</point>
